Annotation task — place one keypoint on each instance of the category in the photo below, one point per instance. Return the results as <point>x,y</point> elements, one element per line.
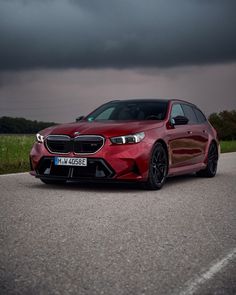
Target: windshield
<point>130,110</point>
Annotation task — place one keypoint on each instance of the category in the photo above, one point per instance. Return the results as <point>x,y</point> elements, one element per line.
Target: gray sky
<point>62,58</point>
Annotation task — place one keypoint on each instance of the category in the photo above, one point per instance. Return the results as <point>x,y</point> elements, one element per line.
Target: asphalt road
<point>119,239</point>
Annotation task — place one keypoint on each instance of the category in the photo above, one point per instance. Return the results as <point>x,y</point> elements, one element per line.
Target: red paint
<point>187,145</point>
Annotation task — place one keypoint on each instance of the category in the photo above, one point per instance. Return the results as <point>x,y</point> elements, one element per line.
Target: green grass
<point>228,146</point>
<point>14,152</point>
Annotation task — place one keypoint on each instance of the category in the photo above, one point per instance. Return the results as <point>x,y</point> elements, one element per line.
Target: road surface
<point>119,239</point>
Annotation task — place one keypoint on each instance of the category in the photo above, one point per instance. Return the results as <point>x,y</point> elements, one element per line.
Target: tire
<point>51,181</point>
<point>212,161</point>
<point>158,168</point>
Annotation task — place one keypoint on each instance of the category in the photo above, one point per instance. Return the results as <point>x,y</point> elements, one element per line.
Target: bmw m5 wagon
<point>137,140</point>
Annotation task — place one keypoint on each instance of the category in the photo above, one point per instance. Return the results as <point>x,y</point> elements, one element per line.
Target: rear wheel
<point>53,181</point>
<point>157,168</point>
<point>212,161</point>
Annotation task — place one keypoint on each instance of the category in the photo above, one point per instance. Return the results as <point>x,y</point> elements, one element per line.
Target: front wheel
<point>212,161</point>
<point>158,167</point>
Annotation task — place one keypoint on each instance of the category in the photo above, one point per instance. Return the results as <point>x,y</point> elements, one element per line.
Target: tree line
<point>22,126</point>
<point>224,123</point>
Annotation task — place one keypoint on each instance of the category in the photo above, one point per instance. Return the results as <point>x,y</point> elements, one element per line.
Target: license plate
<point>63,161</point>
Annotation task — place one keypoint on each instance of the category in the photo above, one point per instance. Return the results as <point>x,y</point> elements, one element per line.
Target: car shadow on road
<point>113,187</point>
<point>91,187</point>
<point>181,179</point>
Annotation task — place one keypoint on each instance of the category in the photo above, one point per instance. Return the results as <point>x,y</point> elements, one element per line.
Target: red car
<point>144,140</point>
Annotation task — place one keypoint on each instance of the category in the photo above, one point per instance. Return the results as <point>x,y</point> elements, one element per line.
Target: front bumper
<point>96,168</point>
<point>112,162</point>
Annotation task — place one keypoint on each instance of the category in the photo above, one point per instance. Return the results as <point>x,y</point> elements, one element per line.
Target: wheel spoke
<point>212,151</point>
<point>156,172</point>
<point>212,158</point>
<point>159,166</point>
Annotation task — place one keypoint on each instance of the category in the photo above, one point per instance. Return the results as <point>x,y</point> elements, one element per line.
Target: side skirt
<point>186,169</point>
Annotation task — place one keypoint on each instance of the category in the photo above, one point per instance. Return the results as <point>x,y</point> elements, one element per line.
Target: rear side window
<point>200,116</point>
<point>190,114</point>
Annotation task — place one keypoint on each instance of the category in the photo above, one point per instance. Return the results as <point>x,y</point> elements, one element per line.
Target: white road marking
<point>14,174</point>
<point>196,283</point>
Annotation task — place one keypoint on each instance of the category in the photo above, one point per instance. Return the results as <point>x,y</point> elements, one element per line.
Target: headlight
<point>134,138</point>
<point>39,138</point>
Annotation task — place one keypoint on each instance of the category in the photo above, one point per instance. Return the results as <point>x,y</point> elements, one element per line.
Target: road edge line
<point>194,284</point>
<point>14,174</point>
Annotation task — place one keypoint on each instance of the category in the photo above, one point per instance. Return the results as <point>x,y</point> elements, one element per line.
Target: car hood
<point>106,129</point>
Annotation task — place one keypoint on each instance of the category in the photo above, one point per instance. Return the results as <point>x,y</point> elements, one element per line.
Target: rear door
<point>197,135</point>
<point>203,131</point>
<point>182,146</point>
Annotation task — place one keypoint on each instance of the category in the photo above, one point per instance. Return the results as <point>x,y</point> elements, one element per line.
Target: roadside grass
<point>228,146</point>
<point>14,152</point>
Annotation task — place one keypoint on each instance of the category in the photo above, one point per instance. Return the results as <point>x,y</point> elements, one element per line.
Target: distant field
<point>14,152</point>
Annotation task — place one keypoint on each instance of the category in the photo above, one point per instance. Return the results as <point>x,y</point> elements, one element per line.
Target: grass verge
<point>228,146</point>
<point>14,152</point>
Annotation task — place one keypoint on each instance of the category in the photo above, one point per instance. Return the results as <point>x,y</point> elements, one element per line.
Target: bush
<point>225,124</point>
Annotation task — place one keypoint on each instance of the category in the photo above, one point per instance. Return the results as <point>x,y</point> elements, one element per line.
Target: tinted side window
<point>176,111</point>
<point>189,113</point>
<point>200,116</point>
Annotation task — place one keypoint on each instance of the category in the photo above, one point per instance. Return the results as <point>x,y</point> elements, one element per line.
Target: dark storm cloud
<point>115,33</point>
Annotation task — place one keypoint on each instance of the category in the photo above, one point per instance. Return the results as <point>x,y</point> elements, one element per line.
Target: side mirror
<point>79,118</point>
<point>179,120</point>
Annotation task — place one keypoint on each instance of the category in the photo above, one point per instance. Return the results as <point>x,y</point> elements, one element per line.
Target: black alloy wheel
<point>157,168</point>
<point>212,161</point>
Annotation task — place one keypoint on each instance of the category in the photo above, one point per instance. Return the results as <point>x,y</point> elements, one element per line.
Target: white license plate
<point>63,161</point>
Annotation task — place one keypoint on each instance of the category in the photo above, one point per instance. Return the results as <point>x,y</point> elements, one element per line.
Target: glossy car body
<point>143,140</point>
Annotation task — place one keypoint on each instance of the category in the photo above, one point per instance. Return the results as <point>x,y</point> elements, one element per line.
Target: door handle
<point>190,132</point>
<point>204,131</point>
